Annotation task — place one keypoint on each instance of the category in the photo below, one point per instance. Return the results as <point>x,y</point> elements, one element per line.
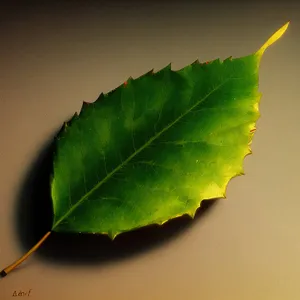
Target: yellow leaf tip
<point>276,36</point>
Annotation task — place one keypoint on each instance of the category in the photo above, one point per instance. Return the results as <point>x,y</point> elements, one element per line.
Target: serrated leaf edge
<point>252,129</point>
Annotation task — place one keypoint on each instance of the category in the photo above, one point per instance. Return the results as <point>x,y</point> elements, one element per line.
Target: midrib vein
<point>109,175</point>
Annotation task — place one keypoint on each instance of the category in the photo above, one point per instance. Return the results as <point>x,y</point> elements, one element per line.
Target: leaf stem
<point>11,267</point>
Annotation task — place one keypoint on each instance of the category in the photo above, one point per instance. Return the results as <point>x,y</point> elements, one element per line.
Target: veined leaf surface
<point>156,146</point>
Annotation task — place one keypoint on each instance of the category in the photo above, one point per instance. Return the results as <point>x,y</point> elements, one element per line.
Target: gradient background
<point>52,57</point>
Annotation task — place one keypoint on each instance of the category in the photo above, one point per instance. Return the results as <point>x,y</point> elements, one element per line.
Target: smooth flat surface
<point>53,58</point>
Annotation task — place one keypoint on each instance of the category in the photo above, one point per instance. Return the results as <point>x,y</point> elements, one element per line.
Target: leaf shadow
<point>33,219</point>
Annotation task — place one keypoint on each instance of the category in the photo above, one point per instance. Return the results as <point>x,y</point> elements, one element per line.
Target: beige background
<point>52,58</point>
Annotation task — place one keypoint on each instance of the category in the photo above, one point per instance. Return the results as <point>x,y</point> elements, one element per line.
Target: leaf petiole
<point>11,267</point>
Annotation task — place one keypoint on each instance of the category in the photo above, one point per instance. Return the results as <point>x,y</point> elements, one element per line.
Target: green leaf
<point>156,146</point>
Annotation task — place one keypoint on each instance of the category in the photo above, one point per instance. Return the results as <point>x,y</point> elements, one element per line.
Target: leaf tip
<point>276,36</point>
